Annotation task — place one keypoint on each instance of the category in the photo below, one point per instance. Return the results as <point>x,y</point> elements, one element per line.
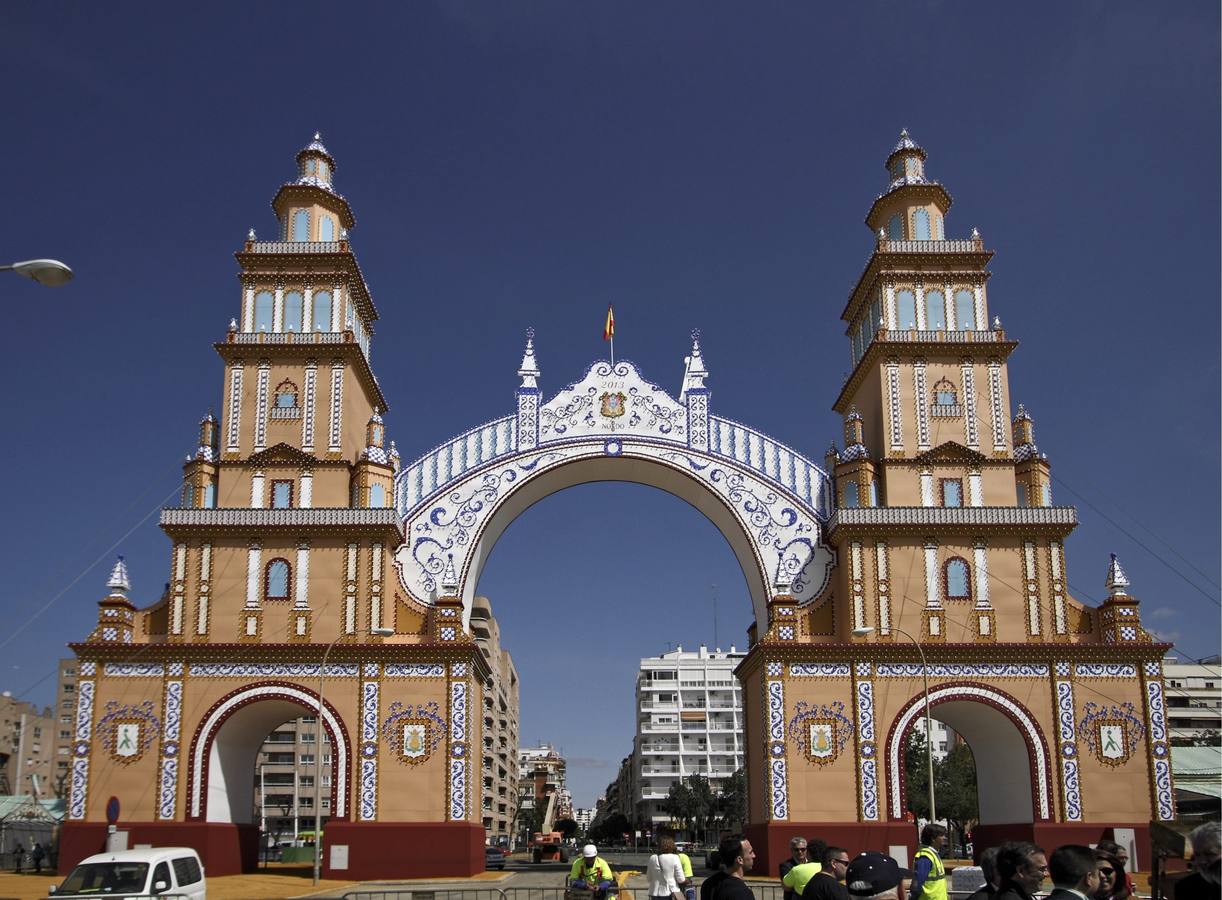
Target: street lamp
<point>862,632</point>
<point>50,272</point>
<point>322,672</point>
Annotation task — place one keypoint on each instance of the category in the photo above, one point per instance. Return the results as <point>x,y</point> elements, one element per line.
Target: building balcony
<point>926,336</point>
<point>288,337</point>
<point>296,246</point>
<point>1060,518</point>
<point>960,246</point>
<point>245,517</point>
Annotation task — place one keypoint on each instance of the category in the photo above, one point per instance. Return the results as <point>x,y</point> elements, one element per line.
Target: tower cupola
<point>315,165</point>
<point>913,207</point>
<point>309,209</point>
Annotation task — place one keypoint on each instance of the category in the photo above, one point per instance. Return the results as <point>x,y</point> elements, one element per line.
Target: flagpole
<point>612,350</point>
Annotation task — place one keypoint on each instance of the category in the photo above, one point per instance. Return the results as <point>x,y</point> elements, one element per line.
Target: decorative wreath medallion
<point>1111,732</point>
<point>613,404</point>
<point>413,731</point>
<point>127,731</point>
<point>820,732</point>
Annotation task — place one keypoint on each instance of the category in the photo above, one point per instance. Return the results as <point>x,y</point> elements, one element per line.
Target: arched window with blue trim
<point>264,306</point>
<point>292,311</point>
<point>276,580</point>
<point>326,229</point>
<point>965,311</point>
<point>958,577</point>
<point>301,225</point>
<point>935,311</point>
<point>210,496</point>
<point>851,498</point>
<point>377,496</point>
<point>905,309</point>
<point>895,228</point>
<point>322,311</point>
<point>920,225</point>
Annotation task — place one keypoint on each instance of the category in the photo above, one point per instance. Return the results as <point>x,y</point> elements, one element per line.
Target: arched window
<point>292,311</point>
<point>952,492</point>
<point>301,225</point>
<point>326,229</point>
<point>264,303</point>
<point>905,309</point>
<point>874,493</point>
<point>895,228</point>
<point>944,396</point>
<point>322,311</point>
<point>920,225</point>
<point>850,495</point>
<point>965,311</point>
<point>377,496</point>
<point>276,578</point>
<point>1022,494</point>
<point>938,234</point>
<point>286,395</point>
<point>958,579</point>
<point>324,170</point>
<point>935,311</point>
<point>210,496</point>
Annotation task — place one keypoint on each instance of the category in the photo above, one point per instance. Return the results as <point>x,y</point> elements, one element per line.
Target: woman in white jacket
<point>665,872</point>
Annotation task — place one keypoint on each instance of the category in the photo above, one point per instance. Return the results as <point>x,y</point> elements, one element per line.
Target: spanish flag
<point>609,328</point>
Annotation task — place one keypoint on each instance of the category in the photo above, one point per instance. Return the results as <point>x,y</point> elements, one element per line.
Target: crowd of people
<point>1015,870</point>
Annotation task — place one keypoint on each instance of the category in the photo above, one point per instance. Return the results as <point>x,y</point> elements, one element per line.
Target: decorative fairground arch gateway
<point>309,568</point>
<point>770,502</point>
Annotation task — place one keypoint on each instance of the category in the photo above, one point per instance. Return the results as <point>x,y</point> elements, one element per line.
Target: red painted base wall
<point>224,848</point>
<point>394,850</point>
<point>375,850</point>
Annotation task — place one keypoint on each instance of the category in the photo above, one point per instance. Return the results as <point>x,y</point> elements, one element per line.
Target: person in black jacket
<point>1205,882</point>
<point>1022,867</point>
<point>1073,872</point>
<point>992,881</point>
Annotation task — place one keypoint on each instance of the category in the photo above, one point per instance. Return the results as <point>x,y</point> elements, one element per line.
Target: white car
<point>171,871</point>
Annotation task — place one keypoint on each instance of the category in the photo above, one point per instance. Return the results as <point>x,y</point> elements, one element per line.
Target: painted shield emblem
<point>127,739</point>
<point>613,404</point>
<point>1111,742</point>
<point>415,743</point>
<point>822,739</point>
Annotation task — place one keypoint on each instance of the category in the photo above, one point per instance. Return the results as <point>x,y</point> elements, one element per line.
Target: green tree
<point>954,779</point>
<point>678,804</point>
<point>916,774</point>
<point>703,804</point>
<point>566,827</point>
<point>732,801</point>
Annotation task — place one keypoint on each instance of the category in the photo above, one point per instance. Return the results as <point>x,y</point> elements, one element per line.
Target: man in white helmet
<point>592,872</point>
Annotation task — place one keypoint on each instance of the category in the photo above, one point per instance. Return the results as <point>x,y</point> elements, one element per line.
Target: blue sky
<point>696,164</point>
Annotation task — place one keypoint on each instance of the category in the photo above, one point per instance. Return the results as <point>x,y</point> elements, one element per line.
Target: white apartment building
<point>1194,699</point>
<point>689,721</point>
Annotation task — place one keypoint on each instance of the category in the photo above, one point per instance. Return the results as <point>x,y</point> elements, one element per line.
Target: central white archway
<point>768,501</point>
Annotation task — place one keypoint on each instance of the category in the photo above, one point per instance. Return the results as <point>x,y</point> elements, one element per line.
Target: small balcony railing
<point>919,336</point>
<point>294,246</point>
<point>968,246</point>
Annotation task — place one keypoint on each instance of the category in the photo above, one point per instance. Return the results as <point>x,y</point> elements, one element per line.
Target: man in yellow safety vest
<point>929,880</point>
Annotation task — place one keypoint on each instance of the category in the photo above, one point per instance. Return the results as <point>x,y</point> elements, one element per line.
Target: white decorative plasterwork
<point>615,401</point>
<point>1042,796</point>
<point>964,670</point>
<point>999,425</point>
<point>79,787</point>
<point>167,790</point>
<point>221,711</point>
<point>922,408</point>
<point>1071,786</point>
<point>134,670</point>
<point>969,405</point>
<point>867,749</point>
<point>414,670</point>
<point>370,717</point>
<point>261,388</point>
<point>779,785</point>
<point>337,405</point>
<point>1105,670</point>
<point>820,670</point>
<point>272,670</point>
<point>84,710</point>
<point>458,750</point>
<point>893,405</point>
<point>309,406</point>
<point>232,444</point>
<point>783,531</point>
<point>89,669</point>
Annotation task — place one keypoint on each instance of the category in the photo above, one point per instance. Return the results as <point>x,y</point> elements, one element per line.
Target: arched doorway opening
<point>626,560</point>
<point>1013,769</point>
<point>226,749</point>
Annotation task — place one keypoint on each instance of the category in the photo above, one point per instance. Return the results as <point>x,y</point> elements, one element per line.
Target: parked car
<point>494,858</point>
<point>136,873</point>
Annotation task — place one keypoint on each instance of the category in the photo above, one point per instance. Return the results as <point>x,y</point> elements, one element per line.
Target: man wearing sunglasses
<point>828,884</point>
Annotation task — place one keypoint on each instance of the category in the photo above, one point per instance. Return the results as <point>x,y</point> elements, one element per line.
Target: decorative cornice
<point>951,451</point>
<point>1058,519</point>
<point>312,258</point>
<point>176,520</point>
<point>874,651</point>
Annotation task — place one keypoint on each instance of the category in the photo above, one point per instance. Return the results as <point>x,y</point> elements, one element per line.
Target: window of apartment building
<point>326,759</point>
<point>307,737</point>
<point>69,688</point>
<point>326,781</point>
<point>307,781</point>
<point>305,802</point>
<point>307,759</point>
<point>37,731</point>
<point>326,802</point>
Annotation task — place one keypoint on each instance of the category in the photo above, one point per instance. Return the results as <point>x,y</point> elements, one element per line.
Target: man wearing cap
<point>591,870</point>
<point>929,882</point>
<point>874,875</point>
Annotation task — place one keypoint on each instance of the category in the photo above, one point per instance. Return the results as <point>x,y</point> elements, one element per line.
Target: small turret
<point>308,207</point>
<point>315,165</point>
<point>1032,473</point>
<point>199,471</point>
<point>913,207</point>
<point>529,370</point>
<point>694,371</point>
<point>373,478</point>
<point>1120,613</point>
<point>1117,582</point>
<point>116,613</point>
<point>854,436</point>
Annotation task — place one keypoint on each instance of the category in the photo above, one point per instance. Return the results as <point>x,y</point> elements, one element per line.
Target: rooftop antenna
<point>716,644</point>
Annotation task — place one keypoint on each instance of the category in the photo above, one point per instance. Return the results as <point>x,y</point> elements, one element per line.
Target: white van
<point>169,871</point>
